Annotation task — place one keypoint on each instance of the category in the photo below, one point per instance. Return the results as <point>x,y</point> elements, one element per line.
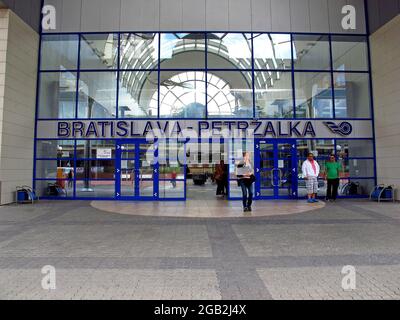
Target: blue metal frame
<point>292,70</point>
<point>118,170</point>
<point>275,185</point>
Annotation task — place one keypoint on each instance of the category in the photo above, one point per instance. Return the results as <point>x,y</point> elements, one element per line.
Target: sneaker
<point>245,209</point>
<point>310,201</point>
<point>315,200</point>
<point>249,209</point>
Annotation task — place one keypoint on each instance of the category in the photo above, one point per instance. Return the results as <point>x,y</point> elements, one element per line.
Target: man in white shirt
<point>311,170</point>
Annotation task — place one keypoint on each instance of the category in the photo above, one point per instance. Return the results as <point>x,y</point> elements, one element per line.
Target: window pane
<point>363,187</point>
<point>59,52</point>
<point>95,189</point>
<point>313,95</point>
<point>183,94</point>
<point>139,51</point>
<point>172,189</point>
<point>229,51</point>
<point>230,94</point>
<point>274,98</point>
<point>55,149</point>
<point>182,51</point>
<point>272,51</point>
<point>311,52</point>
<point>349,53</point>
<point>138,94</point>
<point>97,95</point>
<point>53,169</point>
<point>47,188</point>
<point>57,97</point>
<point>320,148</point>
<point>352,95</point>
<point>355,168</point>
<point>92,149</point>
<point>355,148</point>
<point>95,169</point>
<point>99,51</point>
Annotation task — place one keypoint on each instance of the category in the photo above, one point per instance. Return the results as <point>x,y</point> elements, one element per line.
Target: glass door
<point>137,170</point>
<point>276,169</point>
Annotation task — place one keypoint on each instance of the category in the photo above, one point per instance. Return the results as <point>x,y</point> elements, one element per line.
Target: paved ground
<point>102,255</point>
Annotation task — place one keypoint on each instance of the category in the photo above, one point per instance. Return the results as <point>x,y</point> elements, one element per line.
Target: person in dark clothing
<point>332,176</point>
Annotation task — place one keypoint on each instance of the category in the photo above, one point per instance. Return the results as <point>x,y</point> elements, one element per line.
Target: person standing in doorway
<point>333,169</point>
<point>220,178</point>
<point>246,178</point>
<point>311,170</point>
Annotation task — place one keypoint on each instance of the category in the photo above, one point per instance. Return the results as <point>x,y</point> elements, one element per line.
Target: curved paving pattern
<point>206,208</point>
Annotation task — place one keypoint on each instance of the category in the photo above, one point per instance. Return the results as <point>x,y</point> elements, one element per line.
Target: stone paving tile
<point>111,284</point>
<point>100,255</point>
<point>377,282</point>
<point>108,240</point>
<point>314,240</point>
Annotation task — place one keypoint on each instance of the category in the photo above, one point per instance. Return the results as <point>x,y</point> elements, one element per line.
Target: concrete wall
<point>385,51</point>
<point>18,71</point>
<point>209,15</point>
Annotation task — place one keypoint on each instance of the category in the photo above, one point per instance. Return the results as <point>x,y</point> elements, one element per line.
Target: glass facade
<point>196,76</point>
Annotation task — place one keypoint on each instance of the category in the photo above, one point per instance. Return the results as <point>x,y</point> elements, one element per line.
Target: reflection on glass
<point>311,52</point>
<point>320,148</point>
<point>139,51</point>
<point>354,148</point>
<point>182,95</point>
<point>95,149</point>
<point>230,94</point>
<point>48,188</point>
<point>99,51</point>
<point>138,95</point>
<point>349,53</point>
<point>55,149</point>
<point>352,95</point>
<point>57,97</point>
<point>172,189</point>
<point>274,98</point>
<point>98,189</point>
<point>313,95</point>
<point>59,52</point>
<point>272,51</point>
<point>97,95</point>
<point>356,187</point>
<point>229,51</point>
<point>355,168</point>
<point>53,169</point>
<point>95,169</point>
<point>182,51</point>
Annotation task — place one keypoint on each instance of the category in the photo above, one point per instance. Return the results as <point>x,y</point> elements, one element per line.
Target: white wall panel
<point>71,16</point>
<point>110,12</point>
<point>171,15</point>
<point>58,5</point>
<point>319,16</point>
<point>300,15</point>
<point>360,10</point>
<point>280,10</point>
<point>261,15</point>
<point>194,15</point>
<point>240,15</point>
<point>150,15</point>
<point>335,15</point>
<point>130,15</point>
<point>90,18</point>
<point>217,15</point>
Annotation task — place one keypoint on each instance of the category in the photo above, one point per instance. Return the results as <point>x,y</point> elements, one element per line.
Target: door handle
<point>272,177</point>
